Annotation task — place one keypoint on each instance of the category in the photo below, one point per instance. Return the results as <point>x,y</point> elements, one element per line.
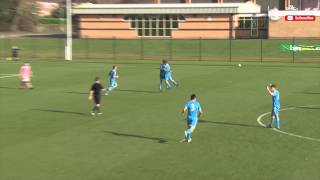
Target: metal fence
<point>255,50</point>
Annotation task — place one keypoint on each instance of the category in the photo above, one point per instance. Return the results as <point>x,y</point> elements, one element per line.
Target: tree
<point>26,18</point>
<point>7,11</point>
<point>59,12</point>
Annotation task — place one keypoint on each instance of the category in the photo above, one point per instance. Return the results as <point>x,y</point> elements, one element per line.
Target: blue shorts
<point>275,111</point>
<point>168,76</point>
<point>192,122</point>
<point>162,76</point>
<point>113,82</point>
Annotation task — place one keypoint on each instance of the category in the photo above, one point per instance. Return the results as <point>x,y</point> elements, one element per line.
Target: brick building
<point>219,19</point>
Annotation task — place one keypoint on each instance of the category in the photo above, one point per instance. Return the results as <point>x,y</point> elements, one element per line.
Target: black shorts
<point>96,99</point>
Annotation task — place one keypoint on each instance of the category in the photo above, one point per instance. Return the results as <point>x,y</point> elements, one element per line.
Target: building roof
<point>201,8</point>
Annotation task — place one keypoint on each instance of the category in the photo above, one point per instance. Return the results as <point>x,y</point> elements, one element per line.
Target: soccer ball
<point>239,65</point>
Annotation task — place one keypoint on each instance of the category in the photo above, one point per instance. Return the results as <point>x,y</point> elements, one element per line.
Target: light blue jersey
<point>275,109</point>
<point>113,74</point>
<point>276,99</point>
<point>275,103</point>
<point>193,107</point>
<point>166,67</point>
<point>113,77</point>
<point>112,80</point>
<point>167,70</point>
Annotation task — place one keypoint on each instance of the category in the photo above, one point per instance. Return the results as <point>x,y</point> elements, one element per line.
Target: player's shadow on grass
<point>308,108</point>
<point>156,139</point>
<point>137,91</point>
<point>314,93</point>
<point>73,92</point>
<point>10,88</point>
<point>61,111</point>
<point>229,124</point>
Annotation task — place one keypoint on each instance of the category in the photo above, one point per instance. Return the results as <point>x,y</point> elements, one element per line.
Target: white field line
<point>8,75</point>
<point>284,132</point>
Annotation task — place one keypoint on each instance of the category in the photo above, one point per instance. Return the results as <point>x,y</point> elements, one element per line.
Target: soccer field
<point>48,133</point>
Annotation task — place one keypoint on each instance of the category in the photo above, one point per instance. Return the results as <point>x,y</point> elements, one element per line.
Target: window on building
<point>278,4</point>
<point>271,4</point>
<point>264,5</point>
<point>263,22</point>
<point>310,4</point>
<point>295,4</point>
<point>305,4</point>
<point>246,22</point>
<point>154,25</point>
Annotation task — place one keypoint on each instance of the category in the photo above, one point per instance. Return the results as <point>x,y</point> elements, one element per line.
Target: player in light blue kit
<point>193,110</point>
<point>272,89</point>
<point>113,76</point>
<point>168,75</point>
<point>162,74</point>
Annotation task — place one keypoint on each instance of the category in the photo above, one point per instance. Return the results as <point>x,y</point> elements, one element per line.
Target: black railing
<point>256,50</point>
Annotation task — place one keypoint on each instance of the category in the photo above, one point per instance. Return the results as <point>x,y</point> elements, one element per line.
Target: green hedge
<point>49,20</point>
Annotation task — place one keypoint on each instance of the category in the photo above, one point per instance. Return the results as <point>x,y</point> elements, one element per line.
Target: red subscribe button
<point>300,18</point>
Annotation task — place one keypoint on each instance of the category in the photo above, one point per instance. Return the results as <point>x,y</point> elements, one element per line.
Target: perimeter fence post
<point>230,49</point>
<point>34,49</point>
<point>61,47</point>
<point>86,43</point>
<point>200,49</point>
<point>170,49</point>
<point>114,51</point>
<point>261,50</point>
<point>142,48</point>
<point>10,46</point>
<point>293,53</point>
<point>4,47</point>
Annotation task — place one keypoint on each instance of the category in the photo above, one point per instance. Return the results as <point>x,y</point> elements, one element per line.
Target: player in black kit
<point>95,94</point>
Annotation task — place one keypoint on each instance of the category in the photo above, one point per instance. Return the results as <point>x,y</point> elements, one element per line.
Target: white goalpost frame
<point>68,45</point>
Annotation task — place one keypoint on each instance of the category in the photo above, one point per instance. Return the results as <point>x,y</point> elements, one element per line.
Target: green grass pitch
<point>48,134</point>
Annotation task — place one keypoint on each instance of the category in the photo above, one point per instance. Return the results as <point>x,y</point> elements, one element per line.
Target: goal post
<point>68,44</point>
